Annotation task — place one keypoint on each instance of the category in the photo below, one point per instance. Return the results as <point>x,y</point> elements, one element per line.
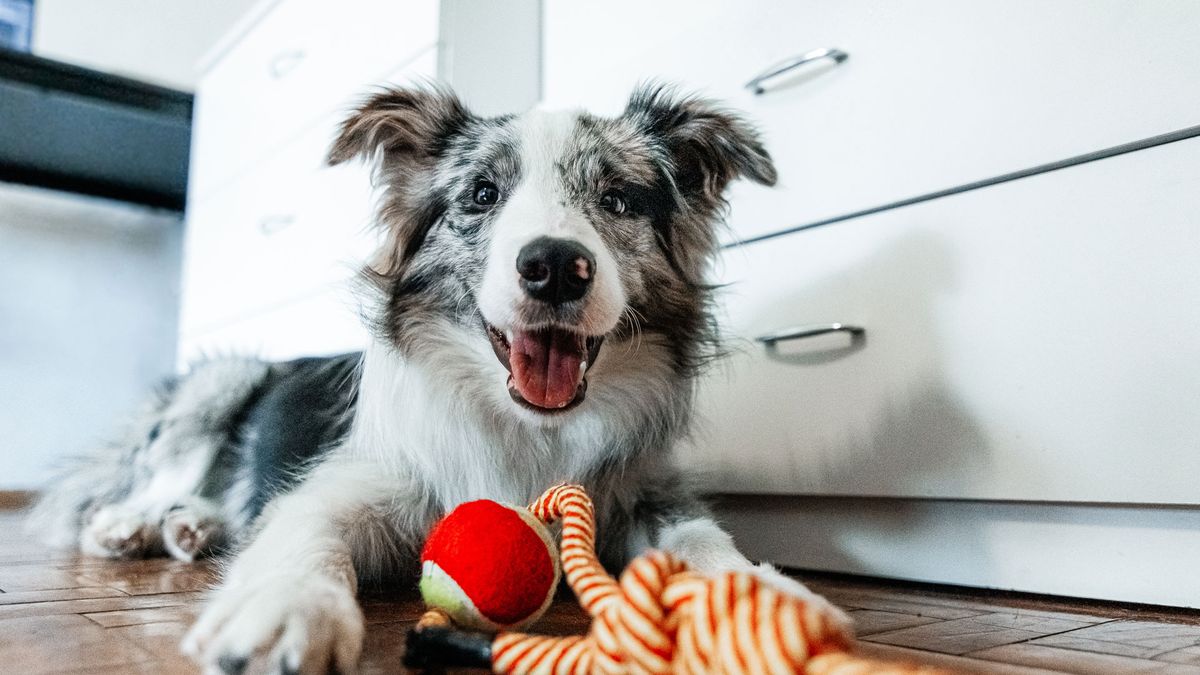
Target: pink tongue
<point>546,366</point>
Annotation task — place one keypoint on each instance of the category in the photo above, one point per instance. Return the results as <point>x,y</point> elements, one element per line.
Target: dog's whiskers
<point>635,328</point>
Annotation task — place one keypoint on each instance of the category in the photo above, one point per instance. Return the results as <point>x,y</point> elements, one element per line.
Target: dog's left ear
<point>403,131</point>
<point>401,125</point>
<point>709,146</point>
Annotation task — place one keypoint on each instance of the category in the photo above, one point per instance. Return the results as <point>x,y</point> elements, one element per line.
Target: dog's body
<point>540,317</point>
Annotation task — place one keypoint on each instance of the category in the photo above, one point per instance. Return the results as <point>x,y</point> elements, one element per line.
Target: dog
<point>539,314</point>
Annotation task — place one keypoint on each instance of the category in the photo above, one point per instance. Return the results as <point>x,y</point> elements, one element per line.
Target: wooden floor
<point>60,613</point>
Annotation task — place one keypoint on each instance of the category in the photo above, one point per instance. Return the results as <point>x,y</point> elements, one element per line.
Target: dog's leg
<point>287,603</point>
<point>164,460</point>
<point>188,530</point>
<point>193,528</point>
<point>698,540</point>
<point>120,531</point>
<point>134,526</point>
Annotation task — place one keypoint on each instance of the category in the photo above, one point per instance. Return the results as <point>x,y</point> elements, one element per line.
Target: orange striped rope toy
<point>661,617</point>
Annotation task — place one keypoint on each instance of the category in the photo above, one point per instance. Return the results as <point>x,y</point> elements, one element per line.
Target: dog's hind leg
<point>116,532</point>
<point>169,464</point>
<point>133,526</point>
<point>193,528</point>
<point>162,514</point>
<point>167,514</point>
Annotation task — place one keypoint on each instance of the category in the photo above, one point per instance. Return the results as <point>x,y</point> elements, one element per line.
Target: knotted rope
<point>664,618</point>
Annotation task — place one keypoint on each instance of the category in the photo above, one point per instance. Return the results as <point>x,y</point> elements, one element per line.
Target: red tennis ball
<point>489,566</point>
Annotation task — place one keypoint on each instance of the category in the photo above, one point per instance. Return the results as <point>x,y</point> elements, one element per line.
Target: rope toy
<point>661,617</point>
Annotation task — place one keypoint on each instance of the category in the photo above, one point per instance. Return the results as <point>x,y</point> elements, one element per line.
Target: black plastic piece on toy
<point>441,647</point>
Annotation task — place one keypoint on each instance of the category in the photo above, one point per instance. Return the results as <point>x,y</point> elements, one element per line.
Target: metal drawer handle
<point>757,85</point>
<point>285,62</point>
<point>269,225</point>
<point>802,332</point>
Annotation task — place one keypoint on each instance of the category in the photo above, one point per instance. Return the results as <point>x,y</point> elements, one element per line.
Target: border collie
<point>539,315</point>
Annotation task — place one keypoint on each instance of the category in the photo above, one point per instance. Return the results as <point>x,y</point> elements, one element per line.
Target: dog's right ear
<point>400,124</point>
<point>402,132</point>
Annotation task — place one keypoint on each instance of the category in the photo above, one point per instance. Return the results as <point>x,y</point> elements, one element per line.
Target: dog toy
<point>489,566</point>
<point>661,617</point>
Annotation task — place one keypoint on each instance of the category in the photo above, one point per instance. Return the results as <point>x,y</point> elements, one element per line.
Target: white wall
<point>481,39</point>
<point>158,41</point>
<point>88,320</point>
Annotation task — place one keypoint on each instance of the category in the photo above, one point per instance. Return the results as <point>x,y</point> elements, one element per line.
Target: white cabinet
<point>934,94</point>
<point>1035,340</point>
<point>1030,340</point>
<point>327,322</point>
<point>1025,393</point>
<point>286,229</point>
<point>300,61</point>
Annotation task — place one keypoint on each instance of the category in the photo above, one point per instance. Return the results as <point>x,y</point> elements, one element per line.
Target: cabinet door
<point>327,322</point>
<point>934,94</point>
<point>1038,340</point>
<point>285,230</point>
<point>303,59</point>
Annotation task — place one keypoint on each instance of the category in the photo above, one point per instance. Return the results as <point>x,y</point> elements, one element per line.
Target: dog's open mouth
<point>547,367</point>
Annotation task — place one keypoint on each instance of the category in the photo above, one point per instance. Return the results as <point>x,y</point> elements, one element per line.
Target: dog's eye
<point>486,193</point>
<point>614,202</point>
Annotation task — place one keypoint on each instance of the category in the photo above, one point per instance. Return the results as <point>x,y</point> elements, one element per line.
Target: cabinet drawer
<point>934,94</point>
<point>283,232</point>
<point>283,74</point>
<point>1032,340</point>
<point>288,226</point>
<point>327,322</point>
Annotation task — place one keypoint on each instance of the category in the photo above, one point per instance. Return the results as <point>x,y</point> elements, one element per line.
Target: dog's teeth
<point>508,335</point>
<point>583,366</point>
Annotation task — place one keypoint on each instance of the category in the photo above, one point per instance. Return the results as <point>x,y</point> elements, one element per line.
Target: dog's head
<point>550,234</point>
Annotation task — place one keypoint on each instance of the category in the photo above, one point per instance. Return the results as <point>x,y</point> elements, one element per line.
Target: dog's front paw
<point>838,625</point>
<point>308,625</point>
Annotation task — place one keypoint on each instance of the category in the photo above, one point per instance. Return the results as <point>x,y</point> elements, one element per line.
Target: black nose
<point>555,270</point>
